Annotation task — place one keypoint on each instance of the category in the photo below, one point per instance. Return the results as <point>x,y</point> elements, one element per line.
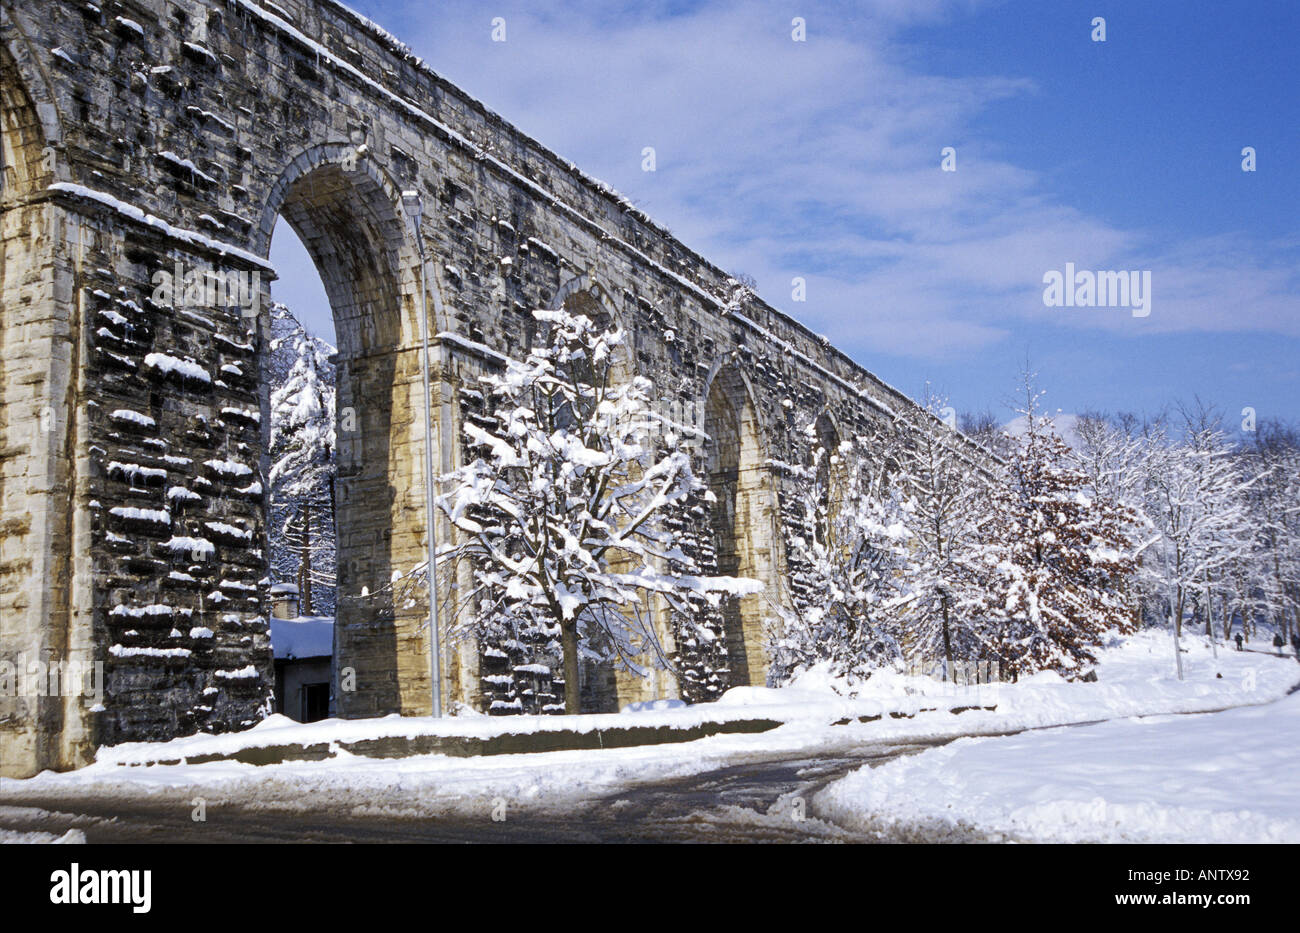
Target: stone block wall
<point>139,134</point>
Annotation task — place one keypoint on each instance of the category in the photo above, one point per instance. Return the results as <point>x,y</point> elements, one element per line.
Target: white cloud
<point>821,159</point>
<point>1066,427</point>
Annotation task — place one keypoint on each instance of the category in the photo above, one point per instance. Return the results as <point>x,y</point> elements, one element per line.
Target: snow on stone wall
<point>187,129</point>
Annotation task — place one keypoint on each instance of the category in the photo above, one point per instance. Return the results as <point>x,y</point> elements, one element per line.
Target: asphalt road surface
<point>754,801</point>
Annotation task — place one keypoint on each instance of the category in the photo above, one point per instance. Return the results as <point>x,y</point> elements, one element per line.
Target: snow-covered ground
<point>24,816</point>
<point>1135,678</point>
<point>71,837</point>
<point>1227,778</point>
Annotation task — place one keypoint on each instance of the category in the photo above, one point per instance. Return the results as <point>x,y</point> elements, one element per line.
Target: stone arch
<point>604,687</point>
<point>37,427</point>
<point>830,473</point>
<point>586,294</point>
<point>326,73</point>
<point>26,83</point>
<point>349,219</point>
<point>23,135</point>
<point>742,512</point>
<point>585,283</point>
<point>351,224</point>
<point>825,432</point>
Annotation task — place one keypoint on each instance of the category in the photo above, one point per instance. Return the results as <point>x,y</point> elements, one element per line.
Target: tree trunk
<point>304,564</point>
<point>1290,596</point>
<point>569,644</point>
<point>947,643</point>
<point>1176,600</point>
<point>1282,588</point>
<point>1209,604</point>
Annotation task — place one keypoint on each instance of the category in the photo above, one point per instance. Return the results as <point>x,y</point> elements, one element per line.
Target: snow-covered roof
<point>303,637</point>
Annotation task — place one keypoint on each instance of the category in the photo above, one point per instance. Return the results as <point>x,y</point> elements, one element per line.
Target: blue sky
<point>821,159</point>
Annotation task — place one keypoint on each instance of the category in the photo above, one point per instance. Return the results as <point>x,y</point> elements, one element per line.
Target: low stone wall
<point>461,746</point>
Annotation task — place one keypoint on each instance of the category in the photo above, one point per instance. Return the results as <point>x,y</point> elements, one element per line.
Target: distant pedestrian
<point>1278,643</point>
<point>1237,637</point>
<point>1295,643</point>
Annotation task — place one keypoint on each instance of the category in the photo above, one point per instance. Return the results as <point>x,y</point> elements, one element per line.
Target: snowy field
<point>1134,678</point>
<point>1226,778</point>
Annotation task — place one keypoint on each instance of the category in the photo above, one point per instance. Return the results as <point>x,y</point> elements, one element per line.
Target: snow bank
<point>279,730</point>
<point>200,548</point>
<point>228,530</point>
<point>1225,778</point>
<point>1134,677</point>
<point>135,417</point>
<point>120,651</point>
<point>131,513</point>
<point>71,837</point>
<point>141,216</point>
<point>229,468</point>
<point>187,164</point>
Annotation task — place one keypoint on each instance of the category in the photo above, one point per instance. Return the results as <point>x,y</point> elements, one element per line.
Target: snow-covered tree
<point>1216,523</point>
<point>1115,456</point>
<point>1061,556</point>
<point>948,504</point>
<point>699,632</point>
<point>1272,572</point>
<point>849,563</point>
<point>562,513</point>
<point>983,428</point>
<point>1196,500</point>
<point>303,467</point>
<point>1110,454</point>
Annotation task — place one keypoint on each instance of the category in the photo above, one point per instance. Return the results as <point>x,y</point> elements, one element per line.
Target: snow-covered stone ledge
<point>745,710</point>
<point>279,739</point>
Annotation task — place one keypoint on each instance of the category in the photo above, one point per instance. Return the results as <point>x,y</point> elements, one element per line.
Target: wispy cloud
<point>821,159</point>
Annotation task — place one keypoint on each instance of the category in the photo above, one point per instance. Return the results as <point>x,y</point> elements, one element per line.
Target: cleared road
<point>755,801</point>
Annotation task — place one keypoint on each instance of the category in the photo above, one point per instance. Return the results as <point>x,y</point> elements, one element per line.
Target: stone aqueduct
<point>138,134</point>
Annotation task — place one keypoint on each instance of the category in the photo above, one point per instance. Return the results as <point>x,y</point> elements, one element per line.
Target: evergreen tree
<point>1059,557</point>
<point>303,546</point>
